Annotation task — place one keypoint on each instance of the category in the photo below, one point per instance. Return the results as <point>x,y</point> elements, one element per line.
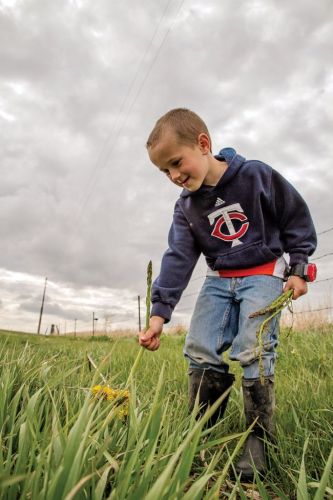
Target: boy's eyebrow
<point>168,162</point>
<point>173,158</point>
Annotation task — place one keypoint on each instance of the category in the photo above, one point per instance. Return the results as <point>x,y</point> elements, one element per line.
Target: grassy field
<point>58,442</point>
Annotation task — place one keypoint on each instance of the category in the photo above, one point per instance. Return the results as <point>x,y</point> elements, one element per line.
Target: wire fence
<point>203,276</point>
<point>325,231</point>
<point>131,319</point>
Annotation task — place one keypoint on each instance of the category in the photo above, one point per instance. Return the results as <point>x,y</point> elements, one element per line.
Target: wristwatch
<point>306,271</point>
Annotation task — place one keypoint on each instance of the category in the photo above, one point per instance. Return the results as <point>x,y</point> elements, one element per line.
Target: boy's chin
<point>192,187</point>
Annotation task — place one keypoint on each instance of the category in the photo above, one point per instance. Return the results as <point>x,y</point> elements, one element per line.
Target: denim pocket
<point>245,255</point>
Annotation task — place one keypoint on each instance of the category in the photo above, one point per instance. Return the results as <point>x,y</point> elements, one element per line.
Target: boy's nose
<point>175,175</point>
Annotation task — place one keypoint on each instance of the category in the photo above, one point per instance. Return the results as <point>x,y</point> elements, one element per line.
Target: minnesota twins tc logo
<point>230,213</point>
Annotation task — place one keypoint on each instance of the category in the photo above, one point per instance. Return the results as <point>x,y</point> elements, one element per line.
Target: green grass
<point>56,442</point>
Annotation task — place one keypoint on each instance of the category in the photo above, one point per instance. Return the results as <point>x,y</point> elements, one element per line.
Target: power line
<point>115,137</point>
<point>130,318</point>
<point>184,309</point>
<point>315,259</point>
<point>320,281</point>
<point>197,278</point>
<point>316,281</point>
<point>299,312</point>
<point>313,310</point>
<point>326,231</point>
<point>197,293</point>
<point>100,162</point>
<point>204,276</point>
<point>322,256</point>
<point>189,295</point>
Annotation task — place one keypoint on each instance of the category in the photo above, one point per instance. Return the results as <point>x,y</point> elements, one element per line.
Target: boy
<point>242,215</point>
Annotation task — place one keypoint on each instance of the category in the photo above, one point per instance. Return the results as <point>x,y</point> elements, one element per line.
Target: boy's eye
<point>175,163</point>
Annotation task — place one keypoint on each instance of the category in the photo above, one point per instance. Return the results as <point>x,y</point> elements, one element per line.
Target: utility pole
<point>94,319</point>
<point>139,313</point>
<point>41,309</point>
<point>75,327</point>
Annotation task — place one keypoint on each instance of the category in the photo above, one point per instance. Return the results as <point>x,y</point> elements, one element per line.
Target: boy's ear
<point>204,143</point>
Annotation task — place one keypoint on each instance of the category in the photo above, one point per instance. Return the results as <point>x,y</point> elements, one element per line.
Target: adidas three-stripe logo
<point>219,202</point>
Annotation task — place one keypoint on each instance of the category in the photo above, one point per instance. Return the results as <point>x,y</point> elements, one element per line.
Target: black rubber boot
<point>259,401</point>
<point>211,385</point>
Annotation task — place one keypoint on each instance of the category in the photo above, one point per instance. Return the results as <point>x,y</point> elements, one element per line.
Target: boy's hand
<point>150,339</point>
<point>299,285</point>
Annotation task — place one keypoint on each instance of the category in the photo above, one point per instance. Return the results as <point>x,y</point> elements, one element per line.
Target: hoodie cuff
<point>298,258</point>
<point>162,310</point>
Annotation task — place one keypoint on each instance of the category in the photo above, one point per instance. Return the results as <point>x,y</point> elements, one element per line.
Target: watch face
<point>306,271</point>
<point>311,272</point>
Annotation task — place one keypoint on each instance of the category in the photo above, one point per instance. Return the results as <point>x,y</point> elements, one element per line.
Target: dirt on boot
<point>259,402</point>
<point>211,385</point>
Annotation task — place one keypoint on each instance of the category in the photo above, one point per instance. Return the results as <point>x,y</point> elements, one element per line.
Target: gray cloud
<point>81,87</point>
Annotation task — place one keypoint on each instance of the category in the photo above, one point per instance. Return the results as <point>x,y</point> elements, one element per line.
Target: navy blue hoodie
<point>251,217</point>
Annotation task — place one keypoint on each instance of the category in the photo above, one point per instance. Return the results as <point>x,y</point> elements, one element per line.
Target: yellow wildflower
<point>121,396</point>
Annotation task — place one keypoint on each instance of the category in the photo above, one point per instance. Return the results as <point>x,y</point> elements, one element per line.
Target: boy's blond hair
<point>186,125</point>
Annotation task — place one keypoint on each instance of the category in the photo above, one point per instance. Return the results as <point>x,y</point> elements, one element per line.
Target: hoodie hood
<point>234,161</point>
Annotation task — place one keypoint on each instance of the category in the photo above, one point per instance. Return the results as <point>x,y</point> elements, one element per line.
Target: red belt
<point>267,268</point>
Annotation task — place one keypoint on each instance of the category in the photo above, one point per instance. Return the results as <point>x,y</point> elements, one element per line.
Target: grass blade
<point>302,489</point>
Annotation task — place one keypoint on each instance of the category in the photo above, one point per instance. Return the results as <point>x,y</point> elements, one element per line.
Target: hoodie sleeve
<point>177,266</point>
<point>293,217</point>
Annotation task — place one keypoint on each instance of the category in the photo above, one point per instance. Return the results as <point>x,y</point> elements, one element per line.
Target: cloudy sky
<point>82,84</point>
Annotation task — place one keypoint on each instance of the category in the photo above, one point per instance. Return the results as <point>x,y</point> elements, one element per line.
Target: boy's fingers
<point>144,341</point>
<point>147,339</point>
<point>145,335</point>
<point>298,286</point>
<point>298,293</point>
<point>286,288</point>
<point>154,344</point>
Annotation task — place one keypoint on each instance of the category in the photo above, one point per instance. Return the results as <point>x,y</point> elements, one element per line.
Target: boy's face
<point>185,165</point>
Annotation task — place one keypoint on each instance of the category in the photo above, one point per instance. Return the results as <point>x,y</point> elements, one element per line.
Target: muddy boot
<point>259,401</point>
<point>211,385</point>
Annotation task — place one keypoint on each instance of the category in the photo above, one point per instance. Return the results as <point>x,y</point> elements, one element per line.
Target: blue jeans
<point>221,320</point>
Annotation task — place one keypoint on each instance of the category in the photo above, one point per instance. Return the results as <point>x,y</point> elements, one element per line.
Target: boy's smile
<point>187,166</point>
